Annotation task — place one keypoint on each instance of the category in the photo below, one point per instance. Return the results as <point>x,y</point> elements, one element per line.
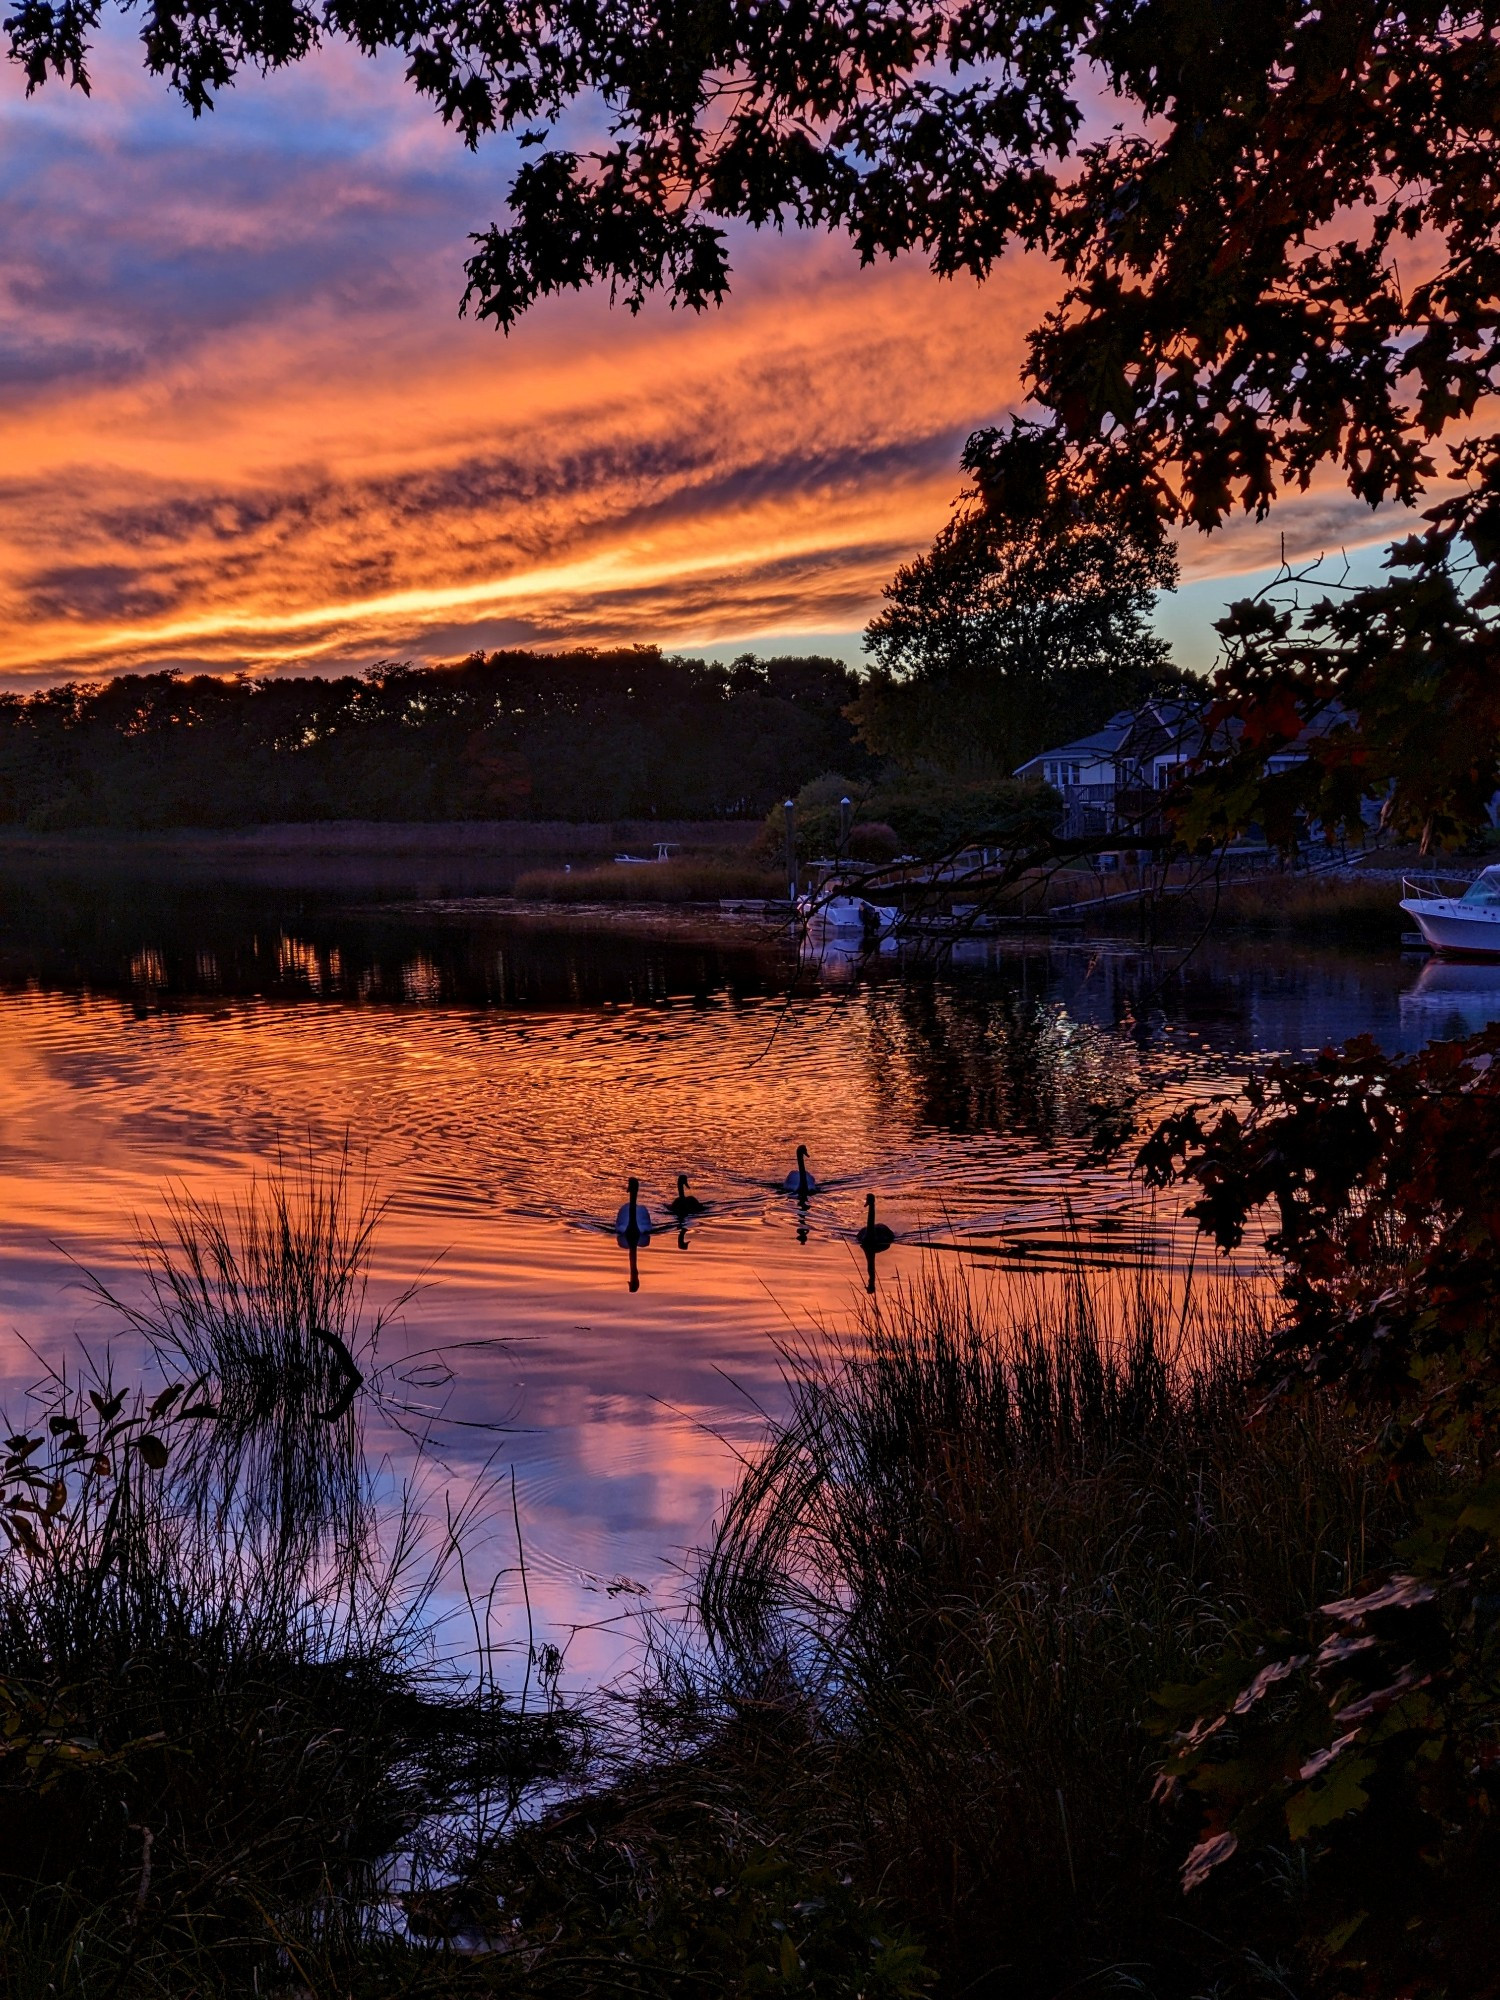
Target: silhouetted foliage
<point>584,735</point>
<point>924,810</point>
<point>1413,665</point>
<point>1368,1737</point>
<point>1004,638</point>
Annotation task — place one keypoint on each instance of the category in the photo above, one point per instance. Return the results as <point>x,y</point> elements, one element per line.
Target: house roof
<point>1104,742</point>
<point>1164,725</point>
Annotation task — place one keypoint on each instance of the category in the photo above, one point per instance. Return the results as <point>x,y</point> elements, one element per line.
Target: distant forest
<point>586,735</point>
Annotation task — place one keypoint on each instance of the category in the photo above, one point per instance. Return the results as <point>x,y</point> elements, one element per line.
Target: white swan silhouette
<point>633,1223</point>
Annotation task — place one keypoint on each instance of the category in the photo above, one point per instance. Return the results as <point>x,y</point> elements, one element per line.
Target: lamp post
<point>790,809</point>
<point>846,814</point>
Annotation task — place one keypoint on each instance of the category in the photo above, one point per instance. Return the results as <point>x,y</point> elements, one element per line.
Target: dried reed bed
<point>685,879</point>
<point>1360,907</point>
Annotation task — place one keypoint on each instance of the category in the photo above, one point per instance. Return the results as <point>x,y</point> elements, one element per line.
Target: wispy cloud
<point>244,425</point>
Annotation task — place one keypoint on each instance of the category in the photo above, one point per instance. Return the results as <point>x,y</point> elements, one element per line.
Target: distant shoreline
<point>499,837</point>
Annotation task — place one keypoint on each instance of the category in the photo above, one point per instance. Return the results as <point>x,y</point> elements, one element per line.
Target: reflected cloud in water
<point>498,1068</point>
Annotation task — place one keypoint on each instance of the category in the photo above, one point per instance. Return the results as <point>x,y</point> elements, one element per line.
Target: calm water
<point>503,1073</point>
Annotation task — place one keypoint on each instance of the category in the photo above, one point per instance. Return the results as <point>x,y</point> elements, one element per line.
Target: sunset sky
<point>244,426</point>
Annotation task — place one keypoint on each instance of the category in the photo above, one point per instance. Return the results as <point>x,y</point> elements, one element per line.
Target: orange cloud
<point>326,488</point>
<point>248,428</point>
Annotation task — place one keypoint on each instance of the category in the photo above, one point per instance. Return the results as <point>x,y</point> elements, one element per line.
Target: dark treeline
<point>586,735</point>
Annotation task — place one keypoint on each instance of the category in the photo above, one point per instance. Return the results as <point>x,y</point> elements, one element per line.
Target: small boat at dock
<point>663,853</point>
<point>1466,926</point>
<point>849,915</point>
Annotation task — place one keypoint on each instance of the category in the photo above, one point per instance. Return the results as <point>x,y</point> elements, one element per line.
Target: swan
<point>800,1181</point>
<point>874,1236</point>
<point>686,1204</point>
<point>633,1221</point>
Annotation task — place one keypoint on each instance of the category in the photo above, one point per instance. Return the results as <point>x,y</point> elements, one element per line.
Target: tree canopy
<point>1006,637</point>
<point>586,735</point>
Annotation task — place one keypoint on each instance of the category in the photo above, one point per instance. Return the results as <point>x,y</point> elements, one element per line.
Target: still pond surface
<point>503,1071</point>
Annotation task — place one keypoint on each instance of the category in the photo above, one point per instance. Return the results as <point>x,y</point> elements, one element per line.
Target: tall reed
<point>987,1534</point>
<point>265,1293</point>
<point>227,1711</point>
<point>264,1299</point>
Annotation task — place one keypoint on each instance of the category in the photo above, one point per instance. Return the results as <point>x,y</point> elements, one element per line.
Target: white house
<point>1109,779</point>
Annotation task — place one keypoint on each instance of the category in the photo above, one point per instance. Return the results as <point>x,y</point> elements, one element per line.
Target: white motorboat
<point>849,915</point>
<point>839,913</point>
<point>1466,926</point>
<point>663,853</point>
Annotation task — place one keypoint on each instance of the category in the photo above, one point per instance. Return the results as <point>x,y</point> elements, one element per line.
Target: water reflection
<point>497,1069</point>
<point>1452,998</point>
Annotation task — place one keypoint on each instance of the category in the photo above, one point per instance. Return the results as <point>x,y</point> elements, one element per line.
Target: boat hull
<point>1457,930</point>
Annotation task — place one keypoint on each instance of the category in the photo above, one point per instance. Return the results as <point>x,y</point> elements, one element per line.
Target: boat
<point>1466,926</point>
<point>849,915</point>
<point>663,853</point>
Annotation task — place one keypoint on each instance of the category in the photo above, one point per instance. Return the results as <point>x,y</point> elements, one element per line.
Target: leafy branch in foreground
<point>1235,312</point>
<point>1370,1736</point>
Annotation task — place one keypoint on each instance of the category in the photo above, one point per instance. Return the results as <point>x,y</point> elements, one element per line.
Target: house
<point>1109,780</point>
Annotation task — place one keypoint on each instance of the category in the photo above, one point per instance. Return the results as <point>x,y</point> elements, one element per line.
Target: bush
<point>920,811</point>
<point>873,840</point>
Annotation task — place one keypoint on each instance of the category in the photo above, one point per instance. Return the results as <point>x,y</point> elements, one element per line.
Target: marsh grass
<point>1353,908</point>
<point>214,1755</point>
<point>987,1536</point>
<point>910,1744</point>
<point>228,1709</point>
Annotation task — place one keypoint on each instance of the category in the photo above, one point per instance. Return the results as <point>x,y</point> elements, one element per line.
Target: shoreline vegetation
<point>502,839</point>
<point>905,1745</point>
<point>572,863</point>
<point>691,878</point>
<point>228,1728</point>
